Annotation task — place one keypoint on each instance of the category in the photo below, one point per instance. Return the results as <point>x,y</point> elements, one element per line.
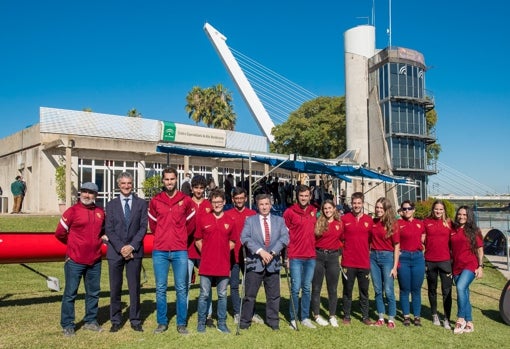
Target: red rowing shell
<point>44,247</point>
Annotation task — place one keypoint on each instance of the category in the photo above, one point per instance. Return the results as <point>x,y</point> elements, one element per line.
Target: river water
<point>496,220</point>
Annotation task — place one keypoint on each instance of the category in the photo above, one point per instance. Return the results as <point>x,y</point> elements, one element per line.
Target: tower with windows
<point>386,106</point>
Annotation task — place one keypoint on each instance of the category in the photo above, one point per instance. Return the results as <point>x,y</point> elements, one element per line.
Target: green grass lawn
<point>30,315</point>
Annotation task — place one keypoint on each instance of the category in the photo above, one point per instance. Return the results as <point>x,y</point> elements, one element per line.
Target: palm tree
<point>212,106</point>
<point>133,113</point>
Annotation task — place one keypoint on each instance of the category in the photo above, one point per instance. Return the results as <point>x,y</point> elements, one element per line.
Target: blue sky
<point>112,56</point>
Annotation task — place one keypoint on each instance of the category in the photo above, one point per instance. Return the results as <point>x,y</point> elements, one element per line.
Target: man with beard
<point>171,220</point>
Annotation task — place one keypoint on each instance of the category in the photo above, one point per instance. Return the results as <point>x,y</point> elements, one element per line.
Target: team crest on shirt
<point>99,215</point>
<point>365,224</point>
<point>226,225</point>
<point>337,226</point>
<point>312,214</point>
<point>207,209</point>
<point>181,202</point>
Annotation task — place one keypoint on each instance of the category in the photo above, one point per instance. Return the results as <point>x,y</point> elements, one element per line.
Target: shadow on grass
<point>493,315</point>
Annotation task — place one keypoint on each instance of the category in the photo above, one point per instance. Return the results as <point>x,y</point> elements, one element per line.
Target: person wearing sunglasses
<point>411,270</point>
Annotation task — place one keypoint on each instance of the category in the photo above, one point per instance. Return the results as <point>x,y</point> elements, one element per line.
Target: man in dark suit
<point>125,227</point>
<point>264,236</point>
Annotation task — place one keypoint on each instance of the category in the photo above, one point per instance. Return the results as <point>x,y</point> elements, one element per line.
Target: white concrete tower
<point>359,47</point>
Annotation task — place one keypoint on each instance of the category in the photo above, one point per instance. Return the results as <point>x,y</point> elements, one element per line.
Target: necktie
<point>267,236</point>
<point>127,211</point>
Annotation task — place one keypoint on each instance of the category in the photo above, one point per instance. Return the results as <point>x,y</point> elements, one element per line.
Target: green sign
<point>168,132</point>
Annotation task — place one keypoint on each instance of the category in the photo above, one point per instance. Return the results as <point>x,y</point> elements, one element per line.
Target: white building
<point>101,146</point>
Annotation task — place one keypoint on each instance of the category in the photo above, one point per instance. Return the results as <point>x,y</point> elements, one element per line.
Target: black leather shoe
<point>137,327</point>
<point>209,322</point>
<point>161,328</point>
<point>115,328</point>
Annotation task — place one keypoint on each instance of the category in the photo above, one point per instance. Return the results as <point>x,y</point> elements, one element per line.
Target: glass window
<point>402,80</point>
<point>393,79</point>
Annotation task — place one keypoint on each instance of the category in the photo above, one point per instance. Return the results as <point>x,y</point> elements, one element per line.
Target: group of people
<point>196,235</point>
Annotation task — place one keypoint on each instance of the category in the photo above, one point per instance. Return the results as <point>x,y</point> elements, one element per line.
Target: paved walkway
<point>501,263</point>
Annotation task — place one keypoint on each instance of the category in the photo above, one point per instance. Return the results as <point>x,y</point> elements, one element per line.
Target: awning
<point>287,162</point>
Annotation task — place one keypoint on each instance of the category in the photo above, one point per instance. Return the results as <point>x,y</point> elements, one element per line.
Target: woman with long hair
<point>467,254</point>
<point>411,270</point>
<point>328,250</point>
<point>438,261</point>
<point>384,255</point>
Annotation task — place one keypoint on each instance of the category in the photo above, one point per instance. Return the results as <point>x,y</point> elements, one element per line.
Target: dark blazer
<point>118,234</point>
<point>253,239</point>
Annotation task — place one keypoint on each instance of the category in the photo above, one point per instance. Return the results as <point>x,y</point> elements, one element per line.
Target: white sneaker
<point>446,324</point>
<point>293,325</point>
<point>469,327</point>
<point>307,323</point>
<point>256,319</point>
<point>236,319</point>
<point>459,327</point>
<point>435,320</point>
<point>321,321</point>
<point>333,321</point>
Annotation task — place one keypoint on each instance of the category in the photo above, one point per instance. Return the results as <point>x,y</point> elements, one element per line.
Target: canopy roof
<point>287,162</point>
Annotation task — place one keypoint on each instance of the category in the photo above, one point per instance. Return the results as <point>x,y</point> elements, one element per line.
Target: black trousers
<point>253,280</point>
<point>442,270</point>
<point>349,275</point>
<point>116,271</point>
<point>326,264</point>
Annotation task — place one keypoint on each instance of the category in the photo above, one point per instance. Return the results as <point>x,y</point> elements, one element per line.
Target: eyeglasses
<point>217,202</point>
<point>407,208</point>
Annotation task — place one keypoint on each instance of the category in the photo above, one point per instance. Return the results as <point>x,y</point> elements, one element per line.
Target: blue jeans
<point>411,274</point>
<point>161,261</point>
<point>301,273</point>
<point>92,279</point>
<point>203,298</point>
<point>381,263</point>
<point>234,288</point>
<point>191,266</point>
<point>462,282</point>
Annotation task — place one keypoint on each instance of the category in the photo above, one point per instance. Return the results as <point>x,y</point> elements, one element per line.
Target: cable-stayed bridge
<point>456,186</point>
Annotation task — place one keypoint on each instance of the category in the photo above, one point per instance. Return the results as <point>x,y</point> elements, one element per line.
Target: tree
<point>133,113</point>
<point>212,106</point>
<point>423,208</point>
<point>151,186</point>
<point>316,129</point>
<point>60,181</point>
<point>432,149</point>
